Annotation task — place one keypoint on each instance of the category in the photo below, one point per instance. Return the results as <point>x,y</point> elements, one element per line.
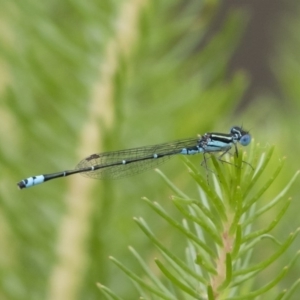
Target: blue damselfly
<point>118,164</point>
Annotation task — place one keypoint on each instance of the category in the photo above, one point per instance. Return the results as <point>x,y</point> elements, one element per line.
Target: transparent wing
<point>110,165</point>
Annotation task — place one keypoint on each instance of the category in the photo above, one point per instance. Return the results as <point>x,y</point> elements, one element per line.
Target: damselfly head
<point>242,136</point>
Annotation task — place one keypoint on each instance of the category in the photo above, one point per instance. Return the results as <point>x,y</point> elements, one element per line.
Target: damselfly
<point>118,164</point>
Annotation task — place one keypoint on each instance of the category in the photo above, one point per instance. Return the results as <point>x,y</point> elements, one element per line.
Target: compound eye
<point>245,140</point>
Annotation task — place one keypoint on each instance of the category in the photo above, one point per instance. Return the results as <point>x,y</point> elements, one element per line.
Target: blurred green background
<point>81,77</point>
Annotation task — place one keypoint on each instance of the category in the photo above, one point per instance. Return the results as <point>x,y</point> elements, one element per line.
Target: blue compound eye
<point>245,140</point>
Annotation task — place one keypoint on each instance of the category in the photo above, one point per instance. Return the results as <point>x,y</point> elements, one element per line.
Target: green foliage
<point>221,237</point>
<point>79,77</point>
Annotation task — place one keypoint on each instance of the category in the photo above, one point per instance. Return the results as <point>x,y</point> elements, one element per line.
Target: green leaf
<point>276,200</point>
<point>176,190</point>
<point>228,277</point>
<point>214,198</point>
<point>108,293</point>
<point>238,200</point>
<point>264,289</point>
<point>237,241</point>
<point>177,282</point>
<point>214,220</point>
<point>250,202</point>
<point>271,258</point>
<point>210,293</point>
<point>203,223</point>
<point>292,290</point>
<point>178,226</point>
<point>140,281</point>
<point>264,160</point>
<point>169,253</point>
<point>271,225</point>
<point>205,264</point>
<point>149,273</point>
